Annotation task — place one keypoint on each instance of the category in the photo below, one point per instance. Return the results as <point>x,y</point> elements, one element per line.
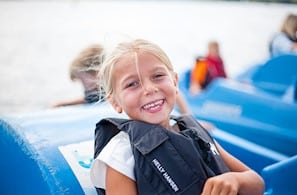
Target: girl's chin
<point>155,120</point>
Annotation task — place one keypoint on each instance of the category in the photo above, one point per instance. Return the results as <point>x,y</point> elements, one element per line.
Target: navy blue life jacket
<point>166,162</point>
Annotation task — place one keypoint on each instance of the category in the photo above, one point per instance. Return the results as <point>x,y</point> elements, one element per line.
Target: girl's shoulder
<point>117,154</point>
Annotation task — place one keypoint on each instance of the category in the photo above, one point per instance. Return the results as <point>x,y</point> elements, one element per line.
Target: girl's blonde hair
<point>289,26</point>
<point>135,46</point>
<point>88,60</point>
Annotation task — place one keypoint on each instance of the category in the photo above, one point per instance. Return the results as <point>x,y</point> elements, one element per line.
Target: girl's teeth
<point>148,106</point>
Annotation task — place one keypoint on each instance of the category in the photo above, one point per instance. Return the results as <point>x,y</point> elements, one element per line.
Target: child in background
<point>215,63</point>
<point>138,78</point>
<point>84,69</point>
<point>207,69</point>
<point>285,42</point>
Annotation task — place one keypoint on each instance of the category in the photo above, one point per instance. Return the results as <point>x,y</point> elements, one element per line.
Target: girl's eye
<point>132,84</point>
<point>158,76</point>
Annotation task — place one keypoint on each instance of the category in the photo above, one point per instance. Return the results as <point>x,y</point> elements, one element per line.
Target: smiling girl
<point>148,154</point>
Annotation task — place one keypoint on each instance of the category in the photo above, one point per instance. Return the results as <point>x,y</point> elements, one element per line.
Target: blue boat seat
<point>280,178</point>
<point>277,74</point>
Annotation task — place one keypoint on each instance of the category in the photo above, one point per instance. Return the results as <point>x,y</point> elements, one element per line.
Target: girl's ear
<point>114,104</point>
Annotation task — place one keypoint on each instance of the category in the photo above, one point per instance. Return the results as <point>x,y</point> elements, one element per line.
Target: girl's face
<point>144,88</point>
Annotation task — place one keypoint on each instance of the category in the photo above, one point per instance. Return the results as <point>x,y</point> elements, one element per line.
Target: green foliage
<point>268,1</point>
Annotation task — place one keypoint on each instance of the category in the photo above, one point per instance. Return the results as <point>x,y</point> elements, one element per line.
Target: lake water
<point>38,39</point>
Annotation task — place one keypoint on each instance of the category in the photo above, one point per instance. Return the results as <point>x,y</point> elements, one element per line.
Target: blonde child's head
<point>138,78</point>
<point>87,61</point>
<point>289,26</point>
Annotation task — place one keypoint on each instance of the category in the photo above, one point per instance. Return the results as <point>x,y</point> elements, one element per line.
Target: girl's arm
<point>117,183</point>
<point>241,180</point>
<point>182,104</point>
<point>69,103</point>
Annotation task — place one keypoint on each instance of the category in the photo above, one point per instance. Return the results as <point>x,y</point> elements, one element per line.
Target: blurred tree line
<point>270,1</point>
<point>279,1</point>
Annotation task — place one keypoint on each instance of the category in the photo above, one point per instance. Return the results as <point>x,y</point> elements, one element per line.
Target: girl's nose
<point>149,88</point>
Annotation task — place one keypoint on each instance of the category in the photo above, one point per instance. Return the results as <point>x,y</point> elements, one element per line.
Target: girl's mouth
<point>153,106</point>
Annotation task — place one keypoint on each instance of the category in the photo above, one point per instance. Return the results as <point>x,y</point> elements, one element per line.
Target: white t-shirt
<point>116,154</point>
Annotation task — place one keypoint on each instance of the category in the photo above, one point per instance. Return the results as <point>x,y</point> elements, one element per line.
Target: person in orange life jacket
<point>207,68</point>
<point>138,78</point>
